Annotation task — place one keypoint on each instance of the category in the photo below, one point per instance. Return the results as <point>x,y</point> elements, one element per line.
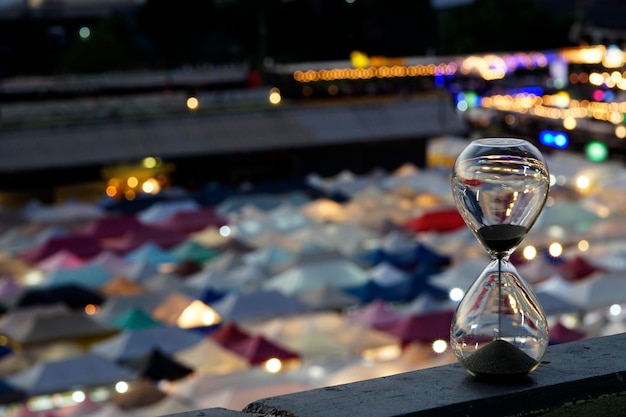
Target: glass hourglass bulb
<point>500,186</point>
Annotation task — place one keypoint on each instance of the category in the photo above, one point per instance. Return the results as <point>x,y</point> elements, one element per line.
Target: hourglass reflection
<point>500,186</point>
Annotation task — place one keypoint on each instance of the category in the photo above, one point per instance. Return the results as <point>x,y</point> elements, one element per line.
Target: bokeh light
<point>193,103</point>
<point>273,365</point>
<point>440,346</point>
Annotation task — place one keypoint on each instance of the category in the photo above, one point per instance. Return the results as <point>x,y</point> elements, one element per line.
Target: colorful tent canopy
<point>210,357</point>
<point>152,254</point>
<point>74,296</point>
<point>157,365</point>
<point>87,370</point>
<point>89,276</point>
<point>308,276</point>
<point>426,327</point>
<point>132,319</point>
<point>137,237</point>
<point>131,344</point>
<point>53,327</point>
<point>110,226</point>
<point>257,350</point>
<point>62,259</point>
<point>190,221</point>
<point>81,246</point>
<point>257,305</point>
<point>442,220</point>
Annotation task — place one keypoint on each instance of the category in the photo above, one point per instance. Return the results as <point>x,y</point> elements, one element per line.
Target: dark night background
<point>161,34</point>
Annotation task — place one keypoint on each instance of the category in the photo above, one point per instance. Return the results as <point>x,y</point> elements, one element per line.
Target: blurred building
<point>64,8</point>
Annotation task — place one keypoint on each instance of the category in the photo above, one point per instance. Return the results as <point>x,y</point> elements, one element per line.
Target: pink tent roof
<point>137,237</point>
<point>426,327</point>
<point>110,261</point>
<point>9,287</point>
<point>257,349</point>
<point>81,246</point>
<point>62,259</point>
<point>376,315</point>
<point>189,221</point>
<point>110,226</point>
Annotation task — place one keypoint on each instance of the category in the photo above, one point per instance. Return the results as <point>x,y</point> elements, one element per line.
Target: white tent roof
<point>460,275</point>
<point>601,290</point>
<point>257,306</point>
<point>209,357</point>
<point>338,273</point>
<point>162,210</point>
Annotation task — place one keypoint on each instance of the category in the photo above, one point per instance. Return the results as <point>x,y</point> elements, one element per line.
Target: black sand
<point>499,358</point>
<point>502,237</point>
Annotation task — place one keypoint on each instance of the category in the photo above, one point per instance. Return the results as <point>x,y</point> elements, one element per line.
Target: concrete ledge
<point>211,412</point>
<point>585,378</point>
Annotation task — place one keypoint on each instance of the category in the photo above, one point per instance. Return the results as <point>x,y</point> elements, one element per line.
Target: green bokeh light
<point>596,151</point>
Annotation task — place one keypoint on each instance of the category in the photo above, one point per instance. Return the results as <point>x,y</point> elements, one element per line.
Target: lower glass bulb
<point>499,328</point>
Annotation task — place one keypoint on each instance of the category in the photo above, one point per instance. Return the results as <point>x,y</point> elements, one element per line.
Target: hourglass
<point>500,186</point>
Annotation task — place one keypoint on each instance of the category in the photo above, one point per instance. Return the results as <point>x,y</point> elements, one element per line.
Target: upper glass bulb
<point>500,186</point>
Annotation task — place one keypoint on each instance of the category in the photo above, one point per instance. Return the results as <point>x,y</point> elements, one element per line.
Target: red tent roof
<point>444,220</point>
<point>577,268</point>
<point>81,246</point>
<point>139,236</point>
<point>229,334</point>
<point>110,226</point>
<point>562,334</point>
<point>376,315</point>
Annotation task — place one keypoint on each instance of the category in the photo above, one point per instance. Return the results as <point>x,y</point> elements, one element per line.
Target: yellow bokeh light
<point>555,250</point>
<point>275,97</point>
<point>529,253</point>
<point>620,132</point>
<point>382,353</point>
<point>616,118</point>
<point>359,59</point>
<point>132,182</point>
<point>130,195</point>
<point>569,123</point>
<point>209,318</point>
<point>147,187</point>
<point>562,99</point>
<point>583,246</point>
<point>273,365</point>
<point>197,314</point>
<point>193,103</point>
<point>151,186</point>
<point>583,182</point>
<point>596,78</point>
<point>571,321</point>
<point>149,162</point>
